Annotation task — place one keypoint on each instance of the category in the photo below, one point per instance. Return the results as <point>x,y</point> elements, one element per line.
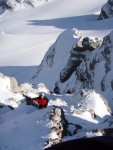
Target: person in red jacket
<point>39,102</point>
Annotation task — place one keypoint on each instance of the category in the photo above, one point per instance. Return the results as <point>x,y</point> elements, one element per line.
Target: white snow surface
<point>25,37</point>
<point>27,127</point>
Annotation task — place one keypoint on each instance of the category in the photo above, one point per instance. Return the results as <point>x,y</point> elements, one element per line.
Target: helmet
<point>42,94</point>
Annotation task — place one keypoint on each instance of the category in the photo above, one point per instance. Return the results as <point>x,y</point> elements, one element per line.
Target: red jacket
<point>41,101</point>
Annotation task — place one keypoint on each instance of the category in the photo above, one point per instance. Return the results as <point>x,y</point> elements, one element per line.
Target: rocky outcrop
<point>11,92</point>
<point>11,84</point>
<point>14,84</point>
<point>107,10</point>
<point>61,127</point>
<point>102,132</point>
<point>19,4</point>
<point>57,55</point>
<point>100,59</point>
<point>87,43</point>
<point>78,54</point>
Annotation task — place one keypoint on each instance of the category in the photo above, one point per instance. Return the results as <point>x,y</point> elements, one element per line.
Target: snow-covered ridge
<point>11,94</point>
<point>95,71</point>
<point>87,74</point>
<point>19,4</point>
<point>9,91</point>
<point>107,10</point>
<point>66,117</point>
<point>87,111</point>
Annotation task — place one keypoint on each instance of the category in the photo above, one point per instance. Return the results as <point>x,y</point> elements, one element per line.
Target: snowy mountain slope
<point>26,122</point>
<point>31,128</point>
<point>10,5</point>
<point>86,114</point>
<point>87,75</point>
<point>59,53</point>
<point>107,10</point>
<point>96,71</point>
<point>36,30</point>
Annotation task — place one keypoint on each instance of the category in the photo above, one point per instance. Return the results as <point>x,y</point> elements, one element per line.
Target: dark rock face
<point>91,43</point>
<point>69,69</point>
<point>87,71</point>
<point>60,126</point>
<point>105,132</point>
<point>59,119</point>
<point>17,4</point>
<point>5,5</point>
<point>78,54</point>
<point>101,142</point>
<point>107,10</point>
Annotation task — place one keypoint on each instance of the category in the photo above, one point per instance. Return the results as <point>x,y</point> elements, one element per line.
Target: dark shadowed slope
<point>102,142</point>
